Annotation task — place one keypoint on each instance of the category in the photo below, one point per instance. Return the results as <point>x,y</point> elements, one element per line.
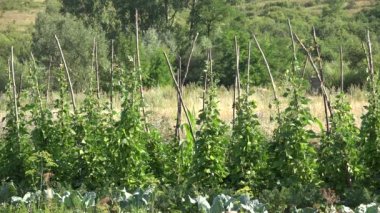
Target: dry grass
<point>161,103</point>
<point>309,6</point>
<point>21,19</point>
<point>161,106</point>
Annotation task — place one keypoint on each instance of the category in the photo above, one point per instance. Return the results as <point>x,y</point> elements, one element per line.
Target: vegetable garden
<point>59,156</point>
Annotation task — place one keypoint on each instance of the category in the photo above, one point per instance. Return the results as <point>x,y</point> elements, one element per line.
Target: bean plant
<point>293,157</point>
<point>248,148</point>
<point>209,163</point>
<point>338,154</point>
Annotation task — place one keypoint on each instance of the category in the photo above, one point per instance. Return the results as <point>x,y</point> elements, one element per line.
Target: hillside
<point>20,14</point>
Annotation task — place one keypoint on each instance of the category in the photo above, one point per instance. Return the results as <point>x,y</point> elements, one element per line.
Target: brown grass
<point>162,107</point>
<point>20,20</point>
<point>161,103</point>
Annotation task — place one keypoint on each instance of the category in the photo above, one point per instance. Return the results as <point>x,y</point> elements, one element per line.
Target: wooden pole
<point>111,92</point>
<point>237,52</point>
<point>48,81</point>
<point>326,102</point>
<point>67,75</point>
<point>97,71</point>
<point>189,60</point>
<point>14,90</point>
<point>370,62</point>
<point>139,70</point>
<point>234,103</point>
<point>180,96</point>
<point>36,81</point>
<point>341,70</point>
<point>324,92</point>
<point>20,85</point>
<point>293,45</point>
<point>179,106</point>
<point>205,80</point>
<point>268,68</point>
<point>211,69</point>
<point>366,57</point>
<point>318,54</point>
<point>248,67</point>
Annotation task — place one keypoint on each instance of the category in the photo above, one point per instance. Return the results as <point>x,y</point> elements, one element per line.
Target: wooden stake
<point>234,103</point>
<point>293,45</point>
<point>189,60</point>
<point>139,70</point>
<point>205,81</point>
<point>19,85</point>
<point>370,62</point>
<point>36,81</point>
<point>179,106</point>
<point>268,68</point>
<point>14,90</point>
<point>97,70</point>
<point>326,100</point>
<point>248,67</point>
<point>366,56</point>
<point>67,75</point>
<point>318,54</point>
<point>48,81</point>
<point>211,69</point>
<point>92,66</point>
<point>180,96</point>
<point>237,52</point>
<point>111,92</point>
<point>341,70</point>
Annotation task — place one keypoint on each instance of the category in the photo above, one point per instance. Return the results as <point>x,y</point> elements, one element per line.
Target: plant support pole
<point>370,62</point>
<point>111,92</point>
<point>341,70</point>
<point>326,101</point>
<point>268,68</point>
<point>324,92</point>
<point>179,106</point>
<point>67,75</point>
<point>205,80</point>
<point>237,52</point>
<point>48,81</point>
<point>97,70</point>
<point>139,70</point>
<point>14,90</point>
<point>293,45</point>
<point>180,96</point>
<point>189,60</point>
<point>248,66</point>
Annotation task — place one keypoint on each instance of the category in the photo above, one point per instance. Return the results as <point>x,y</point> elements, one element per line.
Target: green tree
<point>77,43</point>
<point>205,15</point>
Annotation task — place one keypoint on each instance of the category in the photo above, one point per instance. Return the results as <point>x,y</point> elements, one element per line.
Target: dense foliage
<point>170,24</point>
<point>48,147</point>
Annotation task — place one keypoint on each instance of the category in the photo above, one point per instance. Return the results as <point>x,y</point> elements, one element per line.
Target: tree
<point>76,41</point>
<point>206,14</point>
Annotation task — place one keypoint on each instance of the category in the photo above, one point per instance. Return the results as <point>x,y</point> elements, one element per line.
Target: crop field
<point>254,111</point>
<point>125,138</point>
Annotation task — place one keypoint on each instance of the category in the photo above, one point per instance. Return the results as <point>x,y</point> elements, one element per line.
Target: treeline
<point>171,25</point>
